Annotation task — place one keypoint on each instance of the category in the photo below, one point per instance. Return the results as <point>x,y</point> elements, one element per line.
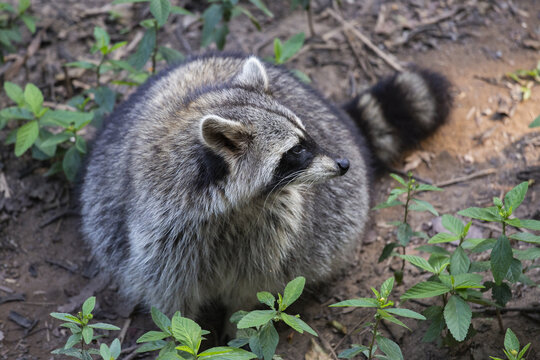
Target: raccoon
<point>225,175</point>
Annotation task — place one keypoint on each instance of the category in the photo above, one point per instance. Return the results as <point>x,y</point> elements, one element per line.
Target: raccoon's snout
<point>343,165</point>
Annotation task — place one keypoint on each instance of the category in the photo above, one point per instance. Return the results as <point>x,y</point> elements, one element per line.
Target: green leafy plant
<point>82,332</point>
<point>149,48</point>
<point>285,51</point>
<point>405,233</point>
<point>217,16</point>
<point>180,338</point>
<point>512,347</point>
<point>10,32</point>
<point>454,276</point>
<point>256,328</point>
<point>51,134</point>
<point>385,310</point>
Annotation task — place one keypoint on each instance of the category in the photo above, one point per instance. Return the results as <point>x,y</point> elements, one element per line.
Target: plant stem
<point>373,338</point>
<point>310,20</point>
<point>409,188</point>
<point>98,71</point>
<point>154,52</point>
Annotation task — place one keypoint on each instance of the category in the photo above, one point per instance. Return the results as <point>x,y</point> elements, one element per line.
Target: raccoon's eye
<point>297,150</point>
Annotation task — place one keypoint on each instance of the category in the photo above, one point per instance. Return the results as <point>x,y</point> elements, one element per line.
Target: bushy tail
<point>399,111</point>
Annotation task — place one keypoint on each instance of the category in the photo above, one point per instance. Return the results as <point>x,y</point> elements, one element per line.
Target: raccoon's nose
<point>343,165</point>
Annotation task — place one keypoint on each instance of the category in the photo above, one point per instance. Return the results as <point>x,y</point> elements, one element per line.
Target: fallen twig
<point>389,59</point>
<point>475,175</point>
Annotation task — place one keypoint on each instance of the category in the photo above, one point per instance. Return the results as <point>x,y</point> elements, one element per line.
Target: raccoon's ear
<point>253,74</point>
<point>224,136</point>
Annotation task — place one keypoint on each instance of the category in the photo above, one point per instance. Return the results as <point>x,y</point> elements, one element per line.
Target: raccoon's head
<point>264,145</point>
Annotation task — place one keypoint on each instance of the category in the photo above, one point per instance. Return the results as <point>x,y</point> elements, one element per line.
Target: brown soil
<point>43,261</point>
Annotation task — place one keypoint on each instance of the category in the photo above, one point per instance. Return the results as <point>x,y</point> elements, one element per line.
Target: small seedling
<point>535,123</point>
<point>525,79</point>
<point>82,332</point>
<point>10,32</point>
<point>285,51</point>
<point>511,347</point>
<point>66,146</point>
<point>180,338</point>
<point>404,230</point>
<point>256,328</point>
<point>384,311</point>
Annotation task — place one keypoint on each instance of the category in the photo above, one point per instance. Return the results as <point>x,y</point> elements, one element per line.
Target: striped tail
<point>401,110</point>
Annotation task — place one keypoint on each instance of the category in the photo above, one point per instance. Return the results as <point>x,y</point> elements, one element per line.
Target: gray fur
<point>176,239</point>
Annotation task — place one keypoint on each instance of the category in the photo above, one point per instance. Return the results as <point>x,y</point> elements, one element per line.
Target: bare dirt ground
<point>44,262</point>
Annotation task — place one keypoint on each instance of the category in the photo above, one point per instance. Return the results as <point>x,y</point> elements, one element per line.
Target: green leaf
<point>144,50</point>
<point>501,258</point>
<point>266,298</point>
<point>526,237</point>
<point>104,326</point>
<point>14,113</point>
<point>211,18</point>
<point>66,317</point>
<point>260,5</point>
<point>390,348</point>
<point>292,45</point>
<point>152,336</point>
<point>388,204</point>
<point>33,97</point>
<point>186,331</point>
<point>511,341</point>
<point>88,305</point>
<point>404,234</point>
<point>459,262</point>
<point>386,287</point>
<point>30,22</point>
<point>177,10</point>
<point>427,187</point>
<point>432,249</point>
<point>452,224</point>
<point>486,214</point>
<point>71,163</point>
<point>421,205</point>
<point>387,251</point>
<point>26,136</point>
<point>515,271</point>
<point>386,316</point>
<point>73,340</point>
<point>466,281</point>
<point>420,262</point>
<point>297,324</point>
<point>435,314</point>
<point>56,139</point>
<point>161,10</point>
<point>151,346</point>
<point>265,342</point>
<point>226,353</point>
<point>14,92</point>
<point>515,197</point>
<point>87,334</point>
<point>405,313</point>
<point>292,292</point>
<point>523,351</point>
<point>81,64</point>
<point>424,290</point>
<point>535,123</point>
<point>361,302</point>
<point>237,316</point>
<point>80,144</point>
<point>171,56</point>
<point>278,51</point>
<point>457,315</point>
<point>353,351</point>
<point>399,179</point>
<point>256,318</point>
<point>532,253</point>
<point>102,40</point>
<point>526,223</point>
<point>501,293</point>
<point>105,352</point>
<point>23,6</point>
